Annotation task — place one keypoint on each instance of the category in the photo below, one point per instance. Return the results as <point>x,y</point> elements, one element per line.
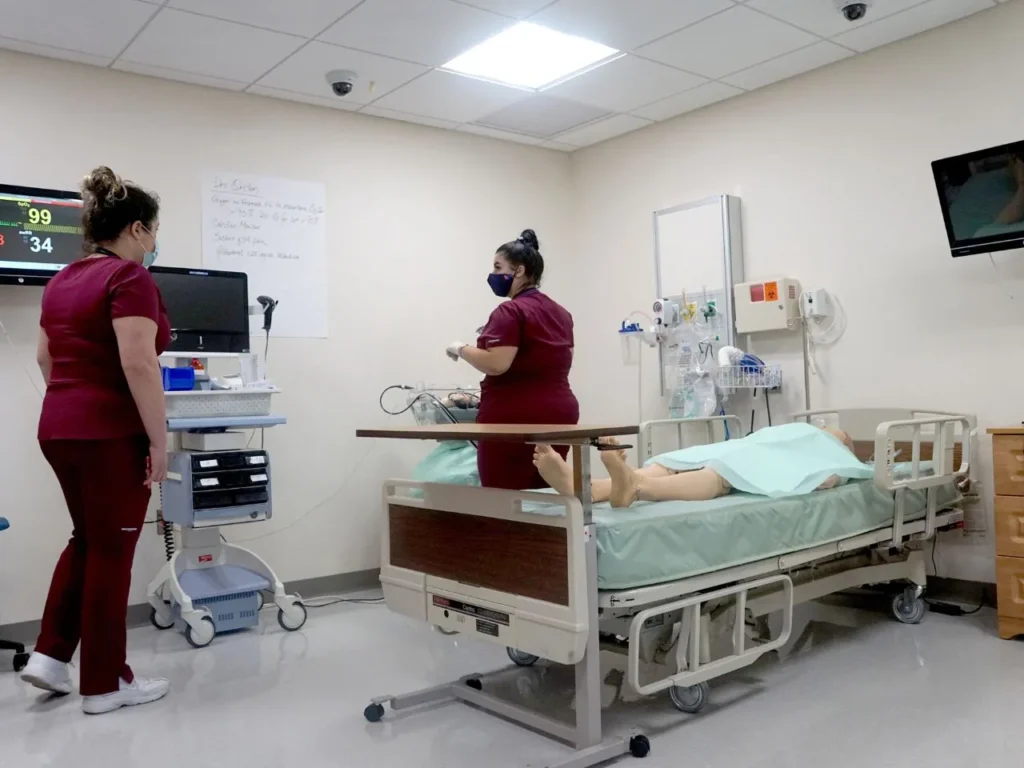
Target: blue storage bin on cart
<point>179,379</point>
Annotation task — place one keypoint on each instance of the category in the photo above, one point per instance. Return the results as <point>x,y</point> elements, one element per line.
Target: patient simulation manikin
<point>788,460</point>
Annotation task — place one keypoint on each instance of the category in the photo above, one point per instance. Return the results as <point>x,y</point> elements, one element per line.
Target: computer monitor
<point>208,310</point>
<point>40,233</point>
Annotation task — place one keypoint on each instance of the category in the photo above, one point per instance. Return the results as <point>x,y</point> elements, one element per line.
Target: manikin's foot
<point>613,441</point>
<point>553,468</point>
<point>625,480</point>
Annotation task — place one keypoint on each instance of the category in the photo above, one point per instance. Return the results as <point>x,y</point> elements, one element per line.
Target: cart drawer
<point>1010,586</point>
<point>1010,526</point>
<point>1008,464</point>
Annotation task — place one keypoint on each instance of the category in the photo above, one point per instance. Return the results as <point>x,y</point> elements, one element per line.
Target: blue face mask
<point>500,284</point>
<point>149,257</point>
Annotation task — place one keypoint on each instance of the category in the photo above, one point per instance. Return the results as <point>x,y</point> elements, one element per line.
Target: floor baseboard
<point>138,615</point>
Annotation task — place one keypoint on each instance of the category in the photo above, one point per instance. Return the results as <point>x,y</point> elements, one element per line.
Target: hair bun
<point>104,185</point>
<point>530,238</point>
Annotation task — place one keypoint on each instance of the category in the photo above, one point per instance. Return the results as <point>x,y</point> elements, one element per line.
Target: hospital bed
<point>554,577</point>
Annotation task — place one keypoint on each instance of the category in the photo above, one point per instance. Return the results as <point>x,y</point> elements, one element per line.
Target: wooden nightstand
<point>1008,481</point>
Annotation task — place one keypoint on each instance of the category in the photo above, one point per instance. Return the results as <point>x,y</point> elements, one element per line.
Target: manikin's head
<point>843,436</point>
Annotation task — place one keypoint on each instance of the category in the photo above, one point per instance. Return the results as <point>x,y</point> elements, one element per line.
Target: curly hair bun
<point>530,238</point>
<point>104,185</point>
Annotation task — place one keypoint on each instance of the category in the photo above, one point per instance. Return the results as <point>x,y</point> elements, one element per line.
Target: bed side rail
<point>645,450</point>
<point>692,653</point>
<point>942,435</point>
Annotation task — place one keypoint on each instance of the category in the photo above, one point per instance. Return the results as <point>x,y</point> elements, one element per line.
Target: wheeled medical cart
<point>209,586</point>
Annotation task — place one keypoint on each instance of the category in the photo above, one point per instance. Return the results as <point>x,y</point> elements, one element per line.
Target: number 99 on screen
<point>39,216</point>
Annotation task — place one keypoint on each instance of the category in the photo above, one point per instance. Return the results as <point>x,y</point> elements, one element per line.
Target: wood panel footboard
<point>509,556</point>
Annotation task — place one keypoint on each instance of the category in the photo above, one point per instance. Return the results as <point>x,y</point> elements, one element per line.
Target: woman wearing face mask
<point>103,430</point>
<point>525,352</point>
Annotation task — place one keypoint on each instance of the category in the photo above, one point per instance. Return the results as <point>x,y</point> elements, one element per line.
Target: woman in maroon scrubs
<point>526,352</point>
<point>103,430</point>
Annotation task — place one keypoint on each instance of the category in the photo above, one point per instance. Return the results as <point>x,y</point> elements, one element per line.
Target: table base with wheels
<point>472,690</point>
<point>20,657</point>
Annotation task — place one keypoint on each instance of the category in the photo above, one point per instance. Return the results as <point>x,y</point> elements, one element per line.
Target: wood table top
<point>554,434</point>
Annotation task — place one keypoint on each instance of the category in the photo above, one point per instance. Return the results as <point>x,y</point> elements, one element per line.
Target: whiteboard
<point>273,230</point>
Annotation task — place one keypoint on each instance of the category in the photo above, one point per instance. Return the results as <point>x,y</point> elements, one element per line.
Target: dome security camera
<point>853,10</point>
<point>342,81</point>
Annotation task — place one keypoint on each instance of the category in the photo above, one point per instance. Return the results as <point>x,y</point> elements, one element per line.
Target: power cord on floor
<point>333,600</point>
<point>948,609</point>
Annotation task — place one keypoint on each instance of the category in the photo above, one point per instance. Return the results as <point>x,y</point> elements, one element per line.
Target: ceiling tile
<point>54,53</point>
<point>932,14</point>
<point>542,116</point>
<point>303,98</point>
<point>299,17</point>
<point>789,65</point>
<point>602,130</point>
<point>727,43</point>
<point>99,27</point>
<point>306,72</point>
<point>481,130</point>
<point>700,96</point>
<point>625,24</point>
<point>823,18</point>
<point>516,9</point>
<point>431,32</point>
<point>181,77</point>
<point>190,43</point>
<point>626,83</point>
<point>405,117</point>
<point>447,96</point>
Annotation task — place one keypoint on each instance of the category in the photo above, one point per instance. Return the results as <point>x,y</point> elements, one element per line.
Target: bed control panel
<point>216,488</point>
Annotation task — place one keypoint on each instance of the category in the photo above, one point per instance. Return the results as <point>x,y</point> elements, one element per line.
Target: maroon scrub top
<point>88,396</point>
<point>534,390</point>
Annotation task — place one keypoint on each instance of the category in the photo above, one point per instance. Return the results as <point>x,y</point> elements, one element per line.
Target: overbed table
<point>586,736</point>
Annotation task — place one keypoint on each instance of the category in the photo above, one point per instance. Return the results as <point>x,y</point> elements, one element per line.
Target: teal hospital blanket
<point>788,460</point>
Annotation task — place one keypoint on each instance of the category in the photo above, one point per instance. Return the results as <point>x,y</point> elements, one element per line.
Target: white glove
<point>454,350</point>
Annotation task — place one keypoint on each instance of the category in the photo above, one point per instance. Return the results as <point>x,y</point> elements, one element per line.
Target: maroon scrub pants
<point>104,485</point>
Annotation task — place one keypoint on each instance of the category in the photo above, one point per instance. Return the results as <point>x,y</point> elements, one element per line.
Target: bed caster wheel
<point>690,700</point>
<point>203,637</point>
<point>260,601</point>
<point>374,713</point>
<point>290,624</point>
<point>639,746</point>
<point>907,608</point>
<point>159,623</point>
<point>475,683</point>
<point>20,661</point>
<point>521,659</point>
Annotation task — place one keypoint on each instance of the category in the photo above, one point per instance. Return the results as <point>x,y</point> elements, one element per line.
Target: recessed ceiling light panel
<point>530,56</point>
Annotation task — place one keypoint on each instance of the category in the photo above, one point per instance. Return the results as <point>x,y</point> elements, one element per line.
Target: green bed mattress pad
<point>655,542</point>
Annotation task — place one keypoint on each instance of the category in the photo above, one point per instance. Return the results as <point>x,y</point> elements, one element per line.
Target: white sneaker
<point>141,691</point>
<point>47,674</point>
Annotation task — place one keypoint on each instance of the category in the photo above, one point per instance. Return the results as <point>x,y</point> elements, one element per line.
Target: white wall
<point>414,216</point>
<point>834,172</point>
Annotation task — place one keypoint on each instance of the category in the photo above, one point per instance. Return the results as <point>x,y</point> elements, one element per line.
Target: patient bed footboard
<point>473,560</point>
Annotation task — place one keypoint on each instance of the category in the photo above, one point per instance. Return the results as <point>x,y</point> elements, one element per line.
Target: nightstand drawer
<point>1008,464</point>
<point>1010,526</point>
<point>1010,586</point>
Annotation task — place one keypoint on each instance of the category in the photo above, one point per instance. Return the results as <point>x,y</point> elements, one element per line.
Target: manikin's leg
<point>558,473</point>
<point>629,485</point>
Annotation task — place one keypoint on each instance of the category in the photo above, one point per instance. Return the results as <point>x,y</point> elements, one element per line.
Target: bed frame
<point>485,562</point>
